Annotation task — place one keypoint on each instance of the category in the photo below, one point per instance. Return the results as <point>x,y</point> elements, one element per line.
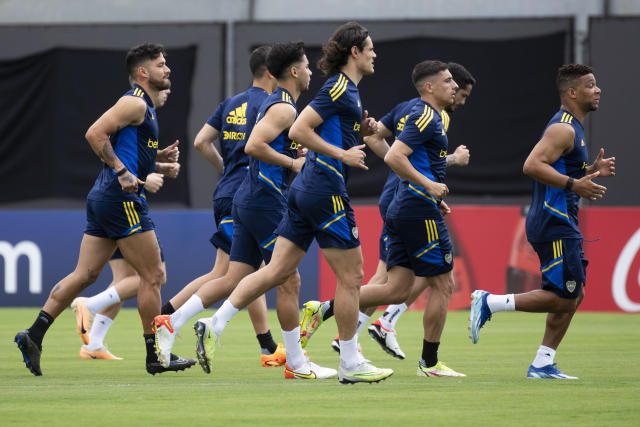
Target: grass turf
<point>602,349</point>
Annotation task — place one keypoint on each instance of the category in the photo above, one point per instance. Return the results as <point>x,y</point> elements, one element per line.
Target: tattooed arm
<point>128,111</point>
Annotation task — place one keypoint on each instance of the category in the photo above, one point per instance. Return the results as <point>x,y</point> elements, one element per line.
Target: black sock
<point>328,312</point>
<point>267,344</point>
<point>39,327</point>
<point>430,353</point>
<point>167,308</point>
<point>150,343</point>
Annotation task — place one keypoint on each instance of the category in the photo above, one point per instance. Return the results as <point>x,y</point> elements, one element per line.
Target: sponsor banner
<point>38,248</point>
<point>491,253</point>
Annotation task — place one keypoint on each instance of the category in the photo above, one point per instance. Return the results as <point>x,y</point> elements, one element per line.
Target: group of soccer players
<point>265,226</point>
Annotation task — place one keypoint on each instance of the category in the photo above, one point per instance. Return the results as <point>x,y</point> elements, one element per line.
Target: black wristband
<point>122,171</point>
<point>569,184</point>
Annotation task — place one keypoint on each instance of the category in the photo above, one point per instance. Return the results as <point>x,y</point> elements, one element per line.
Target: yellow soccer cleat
<point>278,358</point>
<point>437,370</point>
<point>311,321</point>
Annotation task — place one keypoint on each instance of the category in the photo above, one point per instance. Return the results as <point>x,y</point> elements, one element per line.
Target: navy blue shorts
<point>254,235</point>
<point>117,219</point>
<point>328,218</point>
<point>384,242</point>
<point>563,266</point>
<point>422,245</point>
<point>223,235</point>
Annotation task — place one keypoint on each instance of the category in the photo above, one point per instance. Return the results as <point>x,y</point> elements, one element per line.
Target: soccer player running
<point>558,165</point>
<point>382,330</point>
<point>318,203</point>
<point>95,315</point>
<point>258,208</point>
<point>125,138</point>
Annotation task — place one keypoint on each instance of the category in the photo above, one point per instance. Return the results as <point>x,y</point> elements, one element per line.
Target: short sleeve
<point>411,135</point>
<point>324,104</point>
<point>215,120</point>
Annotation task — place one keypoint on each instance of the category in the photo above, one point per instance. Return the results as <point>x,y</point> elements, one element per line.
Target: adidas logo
<point>238,116</point>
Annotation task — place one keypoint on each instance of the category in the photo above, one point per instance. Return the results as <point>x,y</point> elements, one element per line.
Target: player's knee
<point>156,277</point>
<point>86,277</point>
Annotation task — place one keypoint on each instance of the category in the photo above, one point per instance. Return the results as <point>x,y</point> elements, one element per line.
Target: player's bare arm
<point>302,131</point>
<point>128,111</point>
<point>557,141</point>
<point>377,141</point>
<point>169,154</point>
<point>277,119</point>
<point>398,159</point>
<point>170,170</point>
<point>460,157</point>
<point>204,145</point>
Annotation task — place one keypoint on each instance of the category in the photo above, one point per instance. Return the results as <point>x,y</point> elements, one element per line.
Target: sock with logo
<point>189,309</point>
<point>349,353</point>
<point>391,316</point>
<point>501,302</point>
<point>99,329</point>
<point>544,357</point>
<point>295,355</point>
<point>104,299</point>
<point>267,344</point>
<point>430,353</point>
<point>167,308</point>
<point>39,327</point>
<point>362,322</point>
<point>150,344</point>
<point>327,310</point>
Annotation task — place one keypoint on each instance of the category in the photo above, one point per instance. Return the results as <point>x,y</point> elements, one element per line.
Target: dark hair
<point>141,53</point>
<point>461,75</point>
<point>567,75</point>
<point>426,69</point>
<point>336,52</point>
<point>258,61</point>
<point>282,56</point>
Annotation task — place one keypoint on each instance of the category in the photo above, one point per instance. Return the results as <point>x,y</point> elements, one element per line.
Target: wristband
<point>122,171</point>
<point>569,184</point>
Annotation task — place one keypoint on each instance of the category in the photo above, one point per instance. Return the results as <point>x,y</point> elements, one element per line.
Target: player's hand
<point>297,164</point>
<point>462,155</point>
<point>171,169</point>
<point>129,182</point>
<point>606,167</point>
<point>438,189</point>
<point>302,152</point>
<point>368,125</point>
<point>588,189</point>
<point>444,208</point>
<point>154,182</point>
<point>355,156</point>
<point>169,154</point>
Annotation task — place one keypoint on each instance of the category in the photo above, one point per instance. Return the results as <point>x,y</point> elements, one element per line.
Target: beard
<point>160,84</point>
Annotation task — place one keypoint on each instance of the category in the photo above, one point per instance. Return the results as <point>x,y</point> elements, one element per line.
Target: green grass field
<point>602,349</point>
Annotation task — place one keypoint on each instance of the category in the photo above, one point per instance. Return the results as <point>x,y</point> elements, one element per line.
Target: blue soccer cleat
<point>479,314</point>
<point>548,371</point>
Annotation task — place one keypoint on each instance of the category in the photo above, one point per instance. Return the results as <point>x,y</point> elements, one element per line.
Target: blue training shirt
<point>338,103</point>
<point>424,132</point>
<point>136,147</point>
<point>265,186</point>
<point>394,120</point>
<point>554,211</point>
<point>234,119</point>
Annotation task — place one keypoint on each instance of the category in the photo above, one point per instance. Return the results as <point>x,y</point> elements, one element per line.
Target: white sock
<point>349,353</point>
<point>295,355</point>
<point>104,299</point>
<point>362,322</point>
<point>501,302</point>
<point>391,316</point>
<point>222,317</point>
<point>99,329</point>
<point>544,357</point>
<point>189,309</point>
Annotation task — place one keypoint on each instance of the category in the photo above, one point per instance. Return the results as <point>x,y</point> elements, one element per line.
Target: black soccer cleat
<point>30,352</point>
<point>176,364</point>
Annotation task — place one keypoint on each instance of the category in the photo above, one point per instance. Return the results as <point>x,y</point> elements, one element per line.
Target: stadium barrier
<point>38,248</point>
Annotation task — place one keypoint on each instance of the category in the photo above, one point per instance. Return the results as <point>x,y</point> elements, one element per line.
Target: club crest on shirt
<point>448,258</point>
<point>354,231</point>
<point>571,285</point>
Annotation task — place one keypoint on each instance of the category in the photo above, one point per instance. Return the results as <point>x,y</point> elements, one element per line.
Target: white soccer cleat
<point>386,339</point>
<point>165,337</point>
<point>437,370</point>
<point>309,371</point>
<point>363,373</point>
